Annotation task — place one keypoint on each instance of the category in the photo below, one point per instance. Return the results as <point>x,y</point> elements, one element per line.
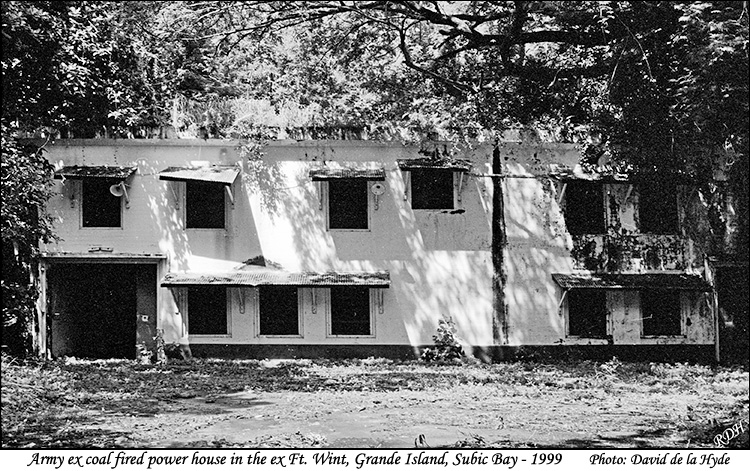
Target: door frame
<point>712,266</point>
<point>42,340</point>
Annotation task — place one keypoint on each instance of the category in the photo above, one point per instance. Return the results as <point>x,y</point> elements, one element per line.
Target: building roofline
<point>210,143</point>
<point>108,142</point>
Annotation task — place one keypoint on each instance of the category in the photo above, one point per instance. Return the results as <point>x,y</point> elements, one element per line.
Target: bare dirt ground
<point>369,404</point>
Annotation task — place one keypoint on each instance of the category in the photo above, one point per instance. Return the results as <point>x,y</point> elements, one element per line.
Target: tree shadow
<point>440,264</point>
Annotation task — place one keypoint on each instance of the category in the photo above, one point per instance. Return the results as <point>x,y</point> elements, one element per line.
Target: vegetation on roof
<point>652,84</point>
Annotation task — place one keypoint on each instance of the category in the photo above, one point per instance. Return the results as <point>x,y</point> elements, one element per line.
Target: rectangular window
<point>99,207</point>
<point>587,313</point>
<point>204,205</point>
<point>584,208</point>
<point>347,204</point>
<point>432,189</point>
<point>207,310</point>
<point>661,313</point>
<point>350,311</point>
<point>657,209</point>
<point>279,311</point>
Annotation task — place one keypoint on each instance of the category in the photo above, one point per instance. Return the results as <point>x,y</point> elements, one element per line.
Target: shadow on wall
<point>386,239</point>
<point>266,180</point>
<point>311,242</point>
<point>467,227</point>
<point>165,207</point>
<point>538,245</point>
<point>448,270</point>
<point>427,284</point>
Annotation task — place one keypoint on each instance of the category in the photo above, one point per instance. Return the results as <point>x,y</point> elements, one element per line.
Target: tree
<point>25,190</point>
<point>79,68</point>
<point>664,84</point>
<point>70,69</point>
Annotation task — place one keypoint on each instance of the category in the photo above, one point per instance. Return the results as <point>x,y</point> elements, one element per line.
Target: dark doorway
<point>93,308</point>
<point>732,290</point>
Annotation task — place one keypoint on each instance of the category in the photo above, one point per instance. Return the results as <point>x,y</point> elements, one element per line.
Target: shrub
<point>447,346</point>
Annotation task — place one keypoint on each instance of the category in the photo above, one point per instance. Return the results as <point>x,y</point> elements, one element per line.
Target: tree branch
<point>456,86</point>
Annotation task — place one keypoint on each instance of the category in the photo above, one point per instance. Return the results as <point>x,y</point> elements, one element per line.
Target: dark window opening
<point>432,189</point>
<point>347,204</point>
<point>207,310</point>
<point>99,206</point>
<point>658,209</point>
<point>279,312</point>
<point>350,311</point>
<point>204,205</point>
<point>587,313</point>
<point>584,208</point>
<point>661,313</point>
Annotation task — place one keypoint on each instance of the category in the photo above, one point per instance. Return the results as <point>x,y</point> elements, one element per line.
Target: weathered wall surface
<point>539,244</point>
<point>439,261</point>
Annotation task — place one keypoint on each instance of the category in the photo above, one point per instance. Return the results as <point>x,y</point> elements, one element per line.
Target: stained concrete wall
<point>539,244</point>
<point>439,261</point>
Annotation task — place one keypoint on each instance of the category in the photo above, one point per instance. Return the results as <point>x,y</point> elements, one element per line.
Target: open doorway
<point>94,308</point>
<point>732,290</point>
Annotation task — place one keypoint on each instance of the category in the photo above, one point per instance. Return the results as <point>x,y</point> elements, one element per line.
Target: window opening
<point>658,208</point>
<point>432,189</point>
<point>204,205</point>
<point>661,312</point>
<point>350,311</point>
<point>347,204</point>
<point>99,206</point>
<point>207,310</point>
<point>584,208</point>
<point>587,313</point>
<point>279,311</point>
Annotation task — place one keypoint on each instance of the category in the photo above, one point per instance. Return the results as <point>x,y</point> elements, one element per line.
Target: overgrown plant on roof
<point>659,87</point>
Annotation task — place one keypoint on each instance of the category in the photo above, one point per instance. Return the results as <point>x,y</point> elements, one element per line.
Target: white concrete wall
<point>440,263</point>
<point>539,245</point>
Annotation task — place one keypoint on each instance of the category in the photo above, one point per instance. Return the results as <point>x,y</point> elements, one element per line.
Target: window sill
<point>349,230</point>
<point>283,336</point>
<point>654,234</point>
<point>657,337</point>
<point>209,336</point>
<point>332,336</point>
<point>576,340</point>
<point>205,228</point>
<point>667,340</point>
<point>436,210</point>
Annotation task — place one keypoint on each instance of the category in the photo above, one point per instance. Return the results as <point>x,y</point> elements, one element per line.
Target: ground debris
<point>367,403</point>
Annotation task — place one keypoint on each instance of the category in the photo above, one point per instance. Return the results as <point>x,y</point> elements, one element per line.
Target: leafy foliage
<point>447,347</point>
<point>25,188</point>
<point>73,69</point>
<point>78,68</point>
<point>654,86</point>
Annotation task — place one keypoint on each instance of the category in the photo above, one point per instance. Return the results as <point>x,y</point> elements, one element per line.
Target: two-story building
<point>359,248</point>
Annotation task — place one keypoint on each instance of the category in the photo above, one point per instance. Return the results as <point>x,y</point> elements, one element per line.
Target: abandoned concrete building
<point>357,249</point>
